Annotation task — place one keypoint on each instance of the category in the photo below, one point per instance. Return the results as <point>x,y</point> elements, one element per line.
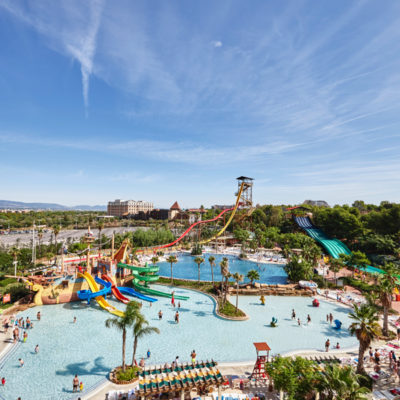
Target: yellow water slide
<point>230,218</point>
<point>103,303</point>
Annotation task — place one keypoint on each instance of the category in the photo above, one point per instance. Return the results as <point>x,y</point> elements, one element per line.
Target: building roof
<point>175,206</point>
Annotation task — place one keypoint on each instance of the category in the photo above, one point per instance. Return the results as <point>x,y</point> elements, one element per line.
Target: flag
<point>6,298</point>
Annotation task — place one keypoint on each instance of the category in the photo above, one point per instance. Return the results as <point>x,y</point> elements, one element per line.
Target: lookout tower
<point>246,198</point>
<point>262,350</point>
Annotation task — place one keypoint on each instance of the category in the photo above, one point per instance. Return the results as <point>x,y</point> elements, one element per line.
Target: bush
<point>17,291</point>
<point>229,310</point>
<point>6,281</point>
<point>129,374</point>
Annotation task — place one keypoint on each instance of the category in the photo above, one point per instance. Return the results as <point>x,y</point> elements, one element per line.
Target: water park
<point>218,321</point>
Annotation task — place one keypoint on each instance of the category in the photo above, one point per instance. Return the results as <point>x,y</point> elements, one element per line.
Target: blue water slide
<point>131,292</point>
<point>89,295</point>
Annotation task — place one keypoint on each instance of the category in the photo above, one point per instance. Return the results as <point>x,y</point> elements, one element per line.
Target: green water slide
<point>147,274</point>
<point>334,247</point>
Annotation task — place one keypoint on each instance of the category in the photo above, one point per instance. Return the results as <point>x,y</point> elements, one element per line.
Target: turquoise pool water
<point>186,268</point>
<point>90,350</point>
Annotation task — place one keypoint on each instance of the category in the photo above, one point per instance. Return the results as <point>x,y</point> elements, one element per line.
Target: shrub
<point>129,374</point>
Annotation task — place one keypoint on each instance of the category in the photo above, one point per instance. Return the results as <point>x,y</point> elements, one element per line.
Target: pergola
<point>179,380</point>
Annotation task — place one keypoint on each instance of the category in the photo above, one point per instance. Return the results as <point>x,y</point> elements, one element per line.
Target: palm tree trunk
<point>123,348</point>
<point>135,342</point>
<point>385,328</point>
<point>212,274</point>
<point>237,296</point>
<point>360,364</point>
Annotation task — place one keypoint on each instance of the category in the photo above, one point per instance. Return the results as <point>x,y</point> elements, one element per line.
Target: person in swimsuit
<point>75,384</point>
<point>177,317</point>
<point>160,314</point>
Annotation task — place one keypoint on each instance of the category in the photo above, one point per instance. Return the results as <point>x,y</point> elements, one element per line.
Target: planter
<point>113,377</point>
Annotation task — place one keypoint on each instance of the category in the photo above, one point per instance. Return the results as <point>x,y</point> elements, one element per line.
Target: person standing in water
<point>308,319</point>
<point>38,316</point>
<point>37,349</point>
<point>293,314</point>
<point>160,314</point>
<point>177,317</point>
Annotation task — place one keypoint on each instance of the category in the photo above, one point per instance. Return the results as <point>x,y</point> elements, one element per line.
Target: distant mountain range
<point>19,205</point>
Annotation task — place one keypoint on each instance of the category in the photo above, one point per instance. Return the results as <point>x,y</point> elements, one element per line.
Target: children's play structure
<point>119,275</point>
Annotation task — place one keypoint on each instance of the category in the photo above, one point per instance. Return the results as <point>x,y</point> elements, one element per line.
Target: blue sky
<point>172,100</point>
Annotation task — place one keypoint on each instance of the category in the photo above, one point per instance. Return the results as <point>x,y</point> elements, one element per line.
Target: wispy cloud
<point>217,43</point>
<point>70,28</point>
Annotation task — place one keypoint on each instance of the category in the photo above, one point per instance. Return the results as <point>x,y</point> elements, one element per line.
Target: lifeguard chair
<point>262,350</point>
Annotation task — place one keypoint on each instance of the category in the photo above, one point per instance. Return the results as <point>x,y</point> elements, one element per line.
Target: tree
<point>224,265</point>
<point>40,237</point>
<point>56,230</point>
<point>335,265</point>
<point>298,269</point>
<point>199,261</point>
<point>172,260</point>
<point>295,377</point>
<point>366,329</point>
<point>357,259</point>
<point>386,285</point>
<point>252,276</point>
<point>238,278</point>
<point>154,260</point>
<point>100,227</point>
<point>341,382</point>
<point>15,253</point>
<point>211,260</point>
<point>123,323</point>
<point>141,328</point>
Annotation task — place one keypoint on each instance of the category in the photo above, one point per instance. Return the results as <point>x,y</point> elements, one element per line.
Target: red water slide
<point>119,296</point>
<point>189,229</point>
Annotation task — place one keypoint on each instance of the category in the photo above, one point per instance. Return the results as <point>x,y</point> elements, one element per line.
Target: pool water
<point>186,268</point>
<point>90,350</point>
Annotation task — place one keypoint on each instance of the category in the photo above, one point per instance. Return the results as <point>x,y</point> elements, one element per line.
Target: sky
<point>172,100</point>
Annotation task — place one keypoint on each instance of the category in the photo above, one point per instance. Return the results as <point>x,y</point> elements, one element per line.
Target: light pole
<point>15,267</point>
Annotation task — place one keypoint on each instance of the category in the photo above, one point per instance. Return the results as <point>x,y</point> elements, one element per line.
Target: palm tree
<point>15,253</point>
<point>172,260</point>
<point>211,260</point>
<point>199,261</point>
<point>100,227</point>
<point>356,259</point>
<point>224,264</point>
<point>56,230</point>
<point>141,328</point>
<point>40,237</point>
<point>366,329</point>
<point>123,323</point>
<point>238,278</point>
<point>336,264</point>
<point>154,260</point>
<point>386,285</point>
<point>252,276</point>
<point>341,383</point>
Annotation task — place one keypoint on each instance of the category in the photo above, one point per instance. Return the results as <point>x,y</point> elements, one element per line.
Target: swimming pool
<point>90,350</point>
<point>186,268</point>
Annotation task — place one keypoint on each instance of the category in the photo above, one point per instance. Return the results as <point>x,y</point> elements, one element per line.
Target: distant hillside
<point>19,205</point>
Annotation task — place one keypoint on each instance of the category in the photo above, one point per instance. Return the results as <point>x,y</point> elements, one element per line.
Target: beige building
<point>119,208</point>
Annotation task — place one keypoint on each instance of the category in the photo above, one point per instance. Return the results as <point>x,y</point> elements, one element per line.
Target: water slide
<point>140,275</point>
<point>99,298</point>
<point>233,209</point>
<point>334,247</point>
<point>119,292</point>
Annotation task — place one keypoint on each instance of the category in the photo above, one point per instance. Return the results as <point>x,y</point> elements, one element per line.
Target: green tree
<point>172,260</point>
<point>154,260</point>
<point>122,324</point>
<point>335,265</point>
<point>366,329</point>
<point>253,275</point>
<point>297,378</point>
<point>141,328</point>
<point>237,278</point>
<point>341,382</point>
<point>100,227</point>
<point>199,261</point>
<point>386,285</point>
<point>211,260</point>
<point>356,259</point>
<point>224,265</point>
<point>15,252</point>
<point>56,230</point>
<point>298,269</point>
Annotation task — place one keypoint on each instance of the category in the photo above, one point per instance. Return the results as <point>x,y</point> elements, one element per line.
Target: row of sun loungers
<point>179,367</point>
